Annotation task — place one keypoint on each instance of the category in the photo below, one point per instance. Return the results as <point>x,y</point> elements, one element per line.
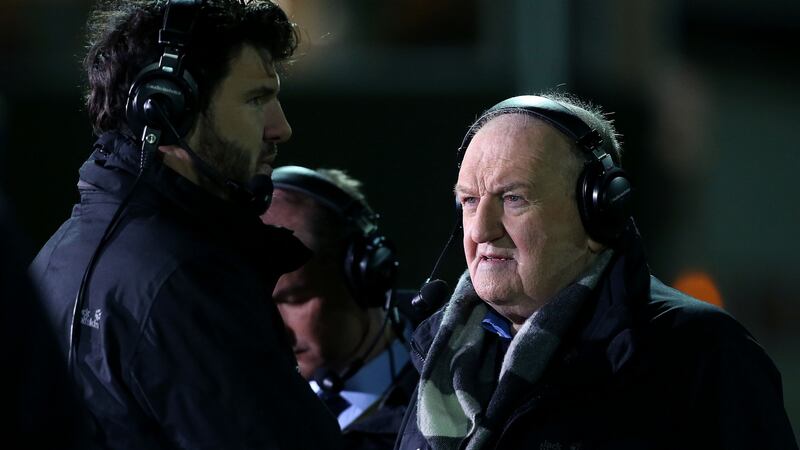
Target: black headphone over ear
<point>603,189</point>
<point>166,82</point>
<point>369,260</point>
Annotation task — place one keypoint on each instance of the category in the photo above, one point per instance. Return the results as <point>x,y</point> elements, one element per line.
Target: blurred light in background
<point>700,286</point>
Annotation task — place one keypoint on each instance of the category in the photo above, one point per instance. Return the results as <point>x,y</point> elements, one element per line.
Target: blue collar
<point>376,375</point>
<point>371,382</point>
<point>497,324</point>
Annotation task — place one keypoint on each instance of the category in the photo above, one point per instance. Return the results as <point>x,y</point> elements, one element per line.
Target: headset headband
<point>175,33</point>
<point>586,138</point>
<point>324,190</point>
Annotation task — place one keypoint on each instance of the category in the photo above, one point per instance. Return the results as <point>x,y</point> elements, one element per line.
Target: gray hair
<point>588,112</point>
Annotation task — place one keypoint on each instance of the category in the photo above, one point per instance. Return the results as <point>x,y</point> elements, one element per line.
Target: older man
<point>558,336</point>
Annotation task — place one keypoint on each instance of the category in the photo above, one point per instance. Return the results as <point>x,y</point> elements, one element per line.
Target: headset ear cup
<point>380,268</point>
<point>616,201</point>
<point>370,269</point>
<point>176,95</point>
<point>354,252</point>
<point>604,201</point>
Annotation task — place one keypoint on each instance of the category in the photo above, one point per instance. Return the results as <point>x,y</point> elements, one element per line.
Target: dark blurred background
<point>704,93</point>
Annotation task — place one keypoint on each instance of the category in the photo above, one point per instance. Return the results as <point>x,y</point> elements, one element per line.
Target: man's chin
<point>305,370</point>
<point>485,283</point>
<point>494,292</point>
<point>306,367</point>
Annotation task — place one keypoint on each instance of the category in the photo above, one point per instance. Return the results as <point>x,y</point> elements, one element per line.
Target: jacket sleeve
<point>214,369</point>
<point>739,390</point>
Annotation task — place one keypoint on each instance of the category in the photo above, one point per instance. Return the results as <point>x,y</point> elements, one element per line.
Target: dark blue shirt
<point>497,324</point>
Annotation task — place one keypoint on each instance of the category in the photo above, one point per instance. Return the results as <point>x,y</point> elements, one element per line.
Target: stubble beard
<point>224,155</point>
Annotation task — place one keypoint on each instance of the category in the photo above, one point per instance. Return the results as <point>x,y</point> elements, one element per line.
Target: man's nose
<point>276,128</point>
<point>487,223</point>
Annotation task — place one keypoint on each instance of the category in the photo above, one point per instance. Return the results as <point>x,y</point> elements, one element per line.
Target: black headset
<point>369,259</point>
<point>163,96</point>
<point>167,83</point>
<point>603,188</point>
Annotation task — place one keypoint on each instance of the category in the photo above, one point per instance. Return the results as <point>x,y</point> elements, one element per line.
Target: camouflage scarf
<point>459,394</point>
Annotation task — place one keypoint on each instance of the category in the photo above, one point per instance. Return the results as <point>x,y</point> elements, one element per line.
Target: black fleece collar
<point>112,169</point>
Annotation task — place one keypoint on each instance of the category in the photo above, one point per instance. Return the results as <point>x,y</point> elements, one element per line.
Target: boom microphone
<point>431,296</point>
<point>331,381</point>
<point>434,292</point>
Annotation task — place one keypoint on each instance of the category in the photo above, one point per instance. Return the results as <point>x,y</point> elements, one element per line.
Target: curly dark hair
<point>123,39</point>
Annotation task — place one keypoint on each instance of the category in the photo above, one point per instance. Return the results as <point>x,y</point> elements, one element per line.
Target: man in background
<point>347,342</point>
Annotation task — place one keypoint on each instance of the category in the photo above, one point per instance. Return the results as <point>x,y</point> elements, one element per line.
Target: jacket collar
<point>607,330</point>
<point>112,169</point>
<point>114,165</point>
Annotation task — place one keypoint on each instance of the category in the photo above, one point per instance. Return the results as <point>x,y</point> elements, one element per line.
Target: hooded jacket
<point>178,344</point>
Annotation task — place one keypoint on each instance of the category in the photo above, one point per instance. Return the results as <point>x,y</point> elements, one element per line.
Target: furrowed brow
<point>458,189</point>
<point>512,187</point>
<point>261,91</point>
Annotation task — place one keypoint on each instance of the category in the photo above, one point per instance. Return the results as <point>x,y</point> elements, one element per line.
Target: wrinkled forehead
<point>516,136</point>
<point>518,146</point>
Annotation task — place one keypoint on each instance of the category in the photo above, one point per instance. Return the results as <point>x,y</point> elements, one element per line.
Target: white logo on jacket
<point>88,320</point>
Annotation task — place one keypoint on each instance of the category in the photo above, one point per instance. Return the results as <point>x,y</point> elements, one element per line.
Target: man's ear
<point>594,246</point>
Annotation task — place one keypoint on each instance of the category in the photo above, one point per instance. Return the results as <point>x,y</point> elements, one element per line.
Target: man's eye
<point>511,198</point>
<point>293,300</point>
<point>261,99</point>
<point>467,201</point>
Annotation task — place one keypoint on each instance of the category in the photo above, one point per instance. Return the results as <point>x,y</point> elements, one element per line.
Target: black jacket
<point>378,429</point>
<point>36,389</point>
<point>644,367</point>
<point>180,344</point>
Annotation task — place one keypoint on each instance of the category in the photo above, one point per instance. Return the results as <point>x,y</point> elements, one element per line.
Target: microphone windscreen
<point>432,296</point>
<point>260,187</point>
